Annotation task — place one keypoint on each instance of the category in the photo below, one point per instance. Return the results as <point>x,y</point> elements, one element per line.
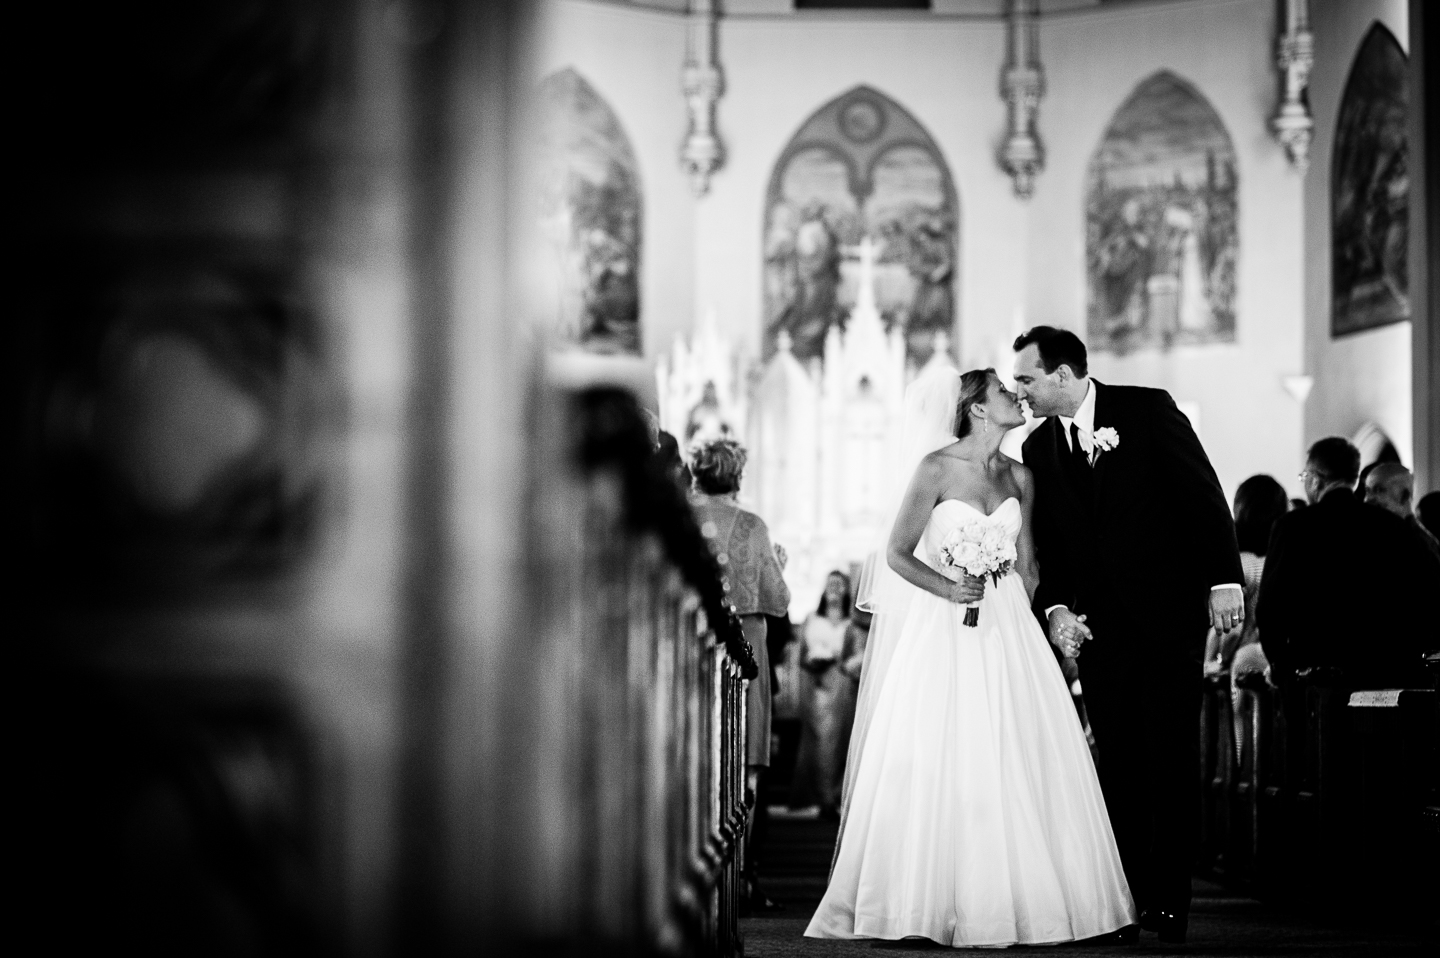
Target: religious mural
<point>860,166</point>
<point>590,208</point>
<point>1370,190</point>
<point>1160,223</point>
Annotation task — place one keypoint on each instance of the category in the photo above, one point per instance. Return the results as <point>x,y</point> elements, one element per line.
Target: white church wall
<point>1020,262</point>
<point>633,58</point>
<point>780,70</point>
<point>1226,50</point>
<point>1365,376</point>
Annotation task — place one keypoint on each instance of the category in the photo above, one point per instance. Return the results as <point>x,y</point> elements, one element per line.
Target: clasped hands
<point>1068,631</point>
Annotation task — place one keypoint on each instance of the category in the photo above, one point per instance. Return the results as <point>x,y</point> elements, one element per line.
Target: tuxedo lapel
<point>1104,416</point>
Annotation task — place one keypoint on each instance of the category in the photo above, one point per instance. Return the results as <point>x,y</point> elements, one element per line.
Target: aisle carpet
<point>1223,923</point>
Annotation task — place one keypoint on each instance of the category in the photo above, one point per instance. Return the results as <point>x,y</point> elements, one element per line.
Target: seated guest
<point>1345,583</point>
<point>1391,487</point>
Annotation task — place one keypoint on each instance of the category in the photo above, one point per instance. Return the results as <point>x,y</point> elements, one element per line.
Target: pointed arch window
<point>1370,190</point>
<point>590,217</point>
<point>860,166</point>
<point>1161,223</point>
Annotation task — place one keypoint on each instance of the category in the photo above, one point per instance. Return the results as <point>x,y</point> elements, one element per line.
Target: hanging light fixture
<point>1022,84</point>
<point>1293,125</point>
<point>703,83</point>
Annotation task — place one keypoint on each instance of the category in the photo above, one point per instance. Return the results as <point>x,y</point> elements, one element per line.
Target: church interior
<point>355,614</point>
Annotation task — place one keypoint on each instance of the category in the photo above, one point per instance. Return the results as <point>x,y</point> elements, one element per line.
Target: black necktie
<point>1077,452</point>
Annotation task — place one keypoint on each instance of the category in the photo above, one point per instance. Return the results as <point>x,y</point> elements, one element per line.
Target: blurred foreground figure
<point>171,339</point>
<point>310,659</point>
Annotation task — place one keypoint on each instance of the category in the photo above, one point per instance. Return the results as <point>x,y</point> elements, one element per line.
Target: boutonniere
<point>1105,438</point>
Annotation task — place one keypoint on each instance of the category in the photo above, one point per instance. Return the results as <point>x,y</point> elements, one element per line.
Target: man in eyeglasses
<point>1392,487</point>
<point>1345,582</point>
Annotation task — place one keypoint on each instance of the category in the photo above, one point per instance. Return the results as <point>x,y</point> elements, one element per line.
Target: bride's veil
<point>930,403</point>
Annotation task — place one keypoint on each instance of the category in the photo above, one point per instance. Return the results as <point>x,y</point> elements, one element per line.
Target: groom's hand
<point>1068,631</point>
<point>1227,609</point>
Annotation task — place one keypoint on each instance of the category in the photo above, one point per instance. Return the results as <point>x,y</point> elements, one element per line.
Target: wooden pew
<point>1308,816</point>
<point>1252,732</point>
<point>1269,743</point>
<point>1217,762</point>
<point>636,815</point>
<point>1393,735</point>
<point>1334,795</point>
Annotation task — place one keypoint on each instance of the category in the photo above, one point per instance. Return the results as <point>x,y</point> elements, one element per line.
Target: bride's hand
<point>969,589</point>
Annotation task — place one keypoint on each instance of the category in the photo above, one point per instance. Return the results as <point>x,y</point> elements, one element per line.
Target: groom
<point>1136,546</point>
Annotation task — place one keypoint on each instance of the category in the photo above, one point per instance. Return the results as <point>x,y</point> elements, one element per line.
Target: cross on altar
<point>866,251</point>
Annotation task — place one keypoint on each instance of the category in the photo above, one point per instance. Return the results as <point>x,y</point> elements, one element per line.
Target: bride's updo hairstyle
<point>974,387</point>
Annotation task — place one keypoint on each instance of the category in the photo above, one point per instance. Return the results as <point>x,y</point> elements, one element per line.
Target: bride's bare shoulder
<point>935,464</point>
<point>1021,474</point>
<point>936,467</point>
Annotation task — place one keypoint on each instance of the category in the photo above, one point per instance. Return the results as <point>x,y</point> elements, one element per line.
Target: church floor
<point>1222,922</point>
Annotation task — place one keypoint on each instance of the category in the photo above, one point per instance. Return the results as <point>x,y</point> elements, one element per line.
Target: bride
<point>972,815</point>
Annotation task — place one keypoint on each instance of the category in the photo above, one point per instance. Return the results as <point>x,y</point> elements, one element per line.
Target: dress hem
<point>1101,928</point>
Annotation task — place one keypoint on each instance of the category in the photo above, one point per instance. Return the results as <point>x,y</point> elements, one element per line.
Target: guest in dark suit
<point>1346,584</point>
<point>1135,543</point>
<point>1392,487</point>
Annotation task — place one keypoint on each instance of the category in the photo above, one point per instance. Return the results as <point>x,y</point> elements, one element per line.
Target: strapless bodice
<point>950,514</point>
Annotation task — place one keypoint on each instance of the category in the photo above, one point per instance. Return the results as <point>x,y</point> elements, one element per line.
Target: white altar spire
<point>865,295</point>
<point>702,385</point>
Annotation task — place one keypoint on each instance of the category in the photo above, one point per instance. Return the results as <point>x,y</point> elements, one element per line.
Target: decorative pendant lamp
<point>703,83</point>
<point>1022,84</point>
<point>1293,125</point>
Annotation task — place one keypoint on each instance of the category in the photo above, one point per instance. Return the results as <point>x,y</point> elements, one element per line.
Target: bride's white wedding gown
<point>975,817</point>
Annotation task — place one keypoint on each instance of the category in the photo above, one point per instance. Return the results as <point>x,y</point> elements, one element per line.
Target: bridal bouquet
<point>980,549</point>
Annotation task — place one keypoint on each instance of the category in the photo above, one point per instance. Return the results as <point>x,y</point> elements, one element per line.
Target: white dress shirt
<point>1084,418</point>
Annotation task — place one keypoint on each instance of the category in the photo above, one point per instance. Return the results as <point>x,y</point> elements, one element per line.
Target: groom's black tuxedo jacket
<point>1137,543</point>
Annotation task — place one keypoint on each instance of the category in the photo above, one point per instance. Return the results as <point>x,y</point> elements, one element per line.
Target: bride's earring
<point>987,424</point>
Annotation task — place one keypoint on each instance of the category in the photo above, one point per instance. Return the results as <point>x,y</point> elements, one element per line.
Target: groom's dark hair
<point>1057,347</point>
